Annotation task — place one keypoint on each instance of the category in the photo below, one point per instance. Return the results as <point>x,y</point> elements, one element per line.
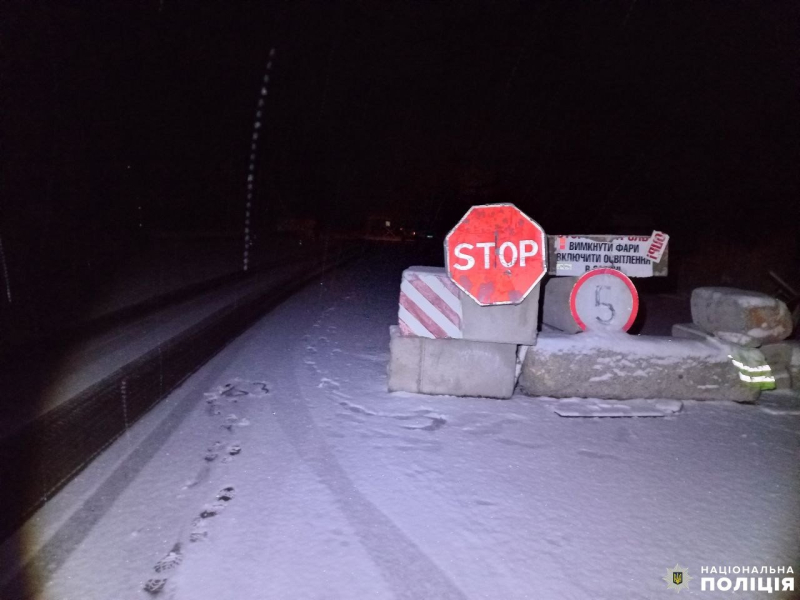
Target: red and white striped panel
<point>430,304</point>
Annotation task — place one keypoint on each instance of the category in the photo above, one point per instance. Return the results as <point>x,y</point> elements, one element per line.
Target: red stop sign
<point>496,254</point>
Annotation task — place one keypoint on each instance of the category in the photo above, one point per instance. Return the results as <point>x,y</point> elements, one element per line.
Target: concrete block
<point>506,323</point>
<point>555,304</point>
<point>432,306</point>
<point>740,316</point>
<point>624,367</point>
<point>451,367</point>
<point>794,364</point>
<point>778,355</point>
<point>783,380</point>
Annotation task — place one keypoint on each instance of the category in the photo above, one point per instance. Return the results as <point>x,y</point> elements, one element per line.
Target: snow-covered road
<point>284,470</point>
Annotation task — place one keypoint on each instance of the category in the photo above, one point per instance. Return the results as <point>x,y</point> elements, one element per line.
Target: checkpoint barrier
<point>459,328</point>
<point>624,367</point>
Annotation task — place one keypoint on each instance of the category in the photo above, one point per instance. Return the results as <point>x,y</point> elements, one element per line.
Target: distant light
<point>429,236</point>
<point>388,223</point>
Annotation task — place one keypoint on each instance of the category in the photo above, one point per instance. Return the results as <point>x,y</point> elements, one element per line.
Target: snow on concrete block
<point>451,367</point>
<point>740,316</point>
<point>740,339</point>
<point>432,306</point>
<point>690,331</point>
<point>624,367</point>
<point>555,305</point>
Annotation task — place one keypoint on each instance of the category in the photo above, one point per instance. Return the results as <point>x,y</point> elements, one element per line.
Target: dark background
<point>123,120</point>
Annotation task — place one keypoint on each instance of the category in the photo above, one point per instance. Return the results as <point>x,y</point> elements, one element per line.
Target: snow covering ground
<point>284,470</point>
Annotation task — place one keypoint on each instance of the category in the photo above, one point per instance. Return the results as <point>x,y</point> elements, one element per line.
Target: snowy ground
<point>299,477</point>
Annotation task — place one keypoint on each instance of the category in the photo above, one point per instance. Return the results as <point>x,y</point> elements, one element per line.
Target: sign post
<point>496,254</point>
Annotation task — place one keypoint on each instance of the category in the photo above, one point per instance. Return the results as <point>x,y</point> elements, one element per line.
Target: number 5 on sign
<point>604,300</point>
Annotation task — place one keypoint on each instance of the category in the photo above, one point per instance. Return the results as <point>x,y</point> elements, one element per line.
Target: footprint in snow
<point>173,558</point>
<point>154,586</point>
<point>213,452</point>
<point>226,494</point>
<point>199,530</point>
<point>230,421</point>
<point>434,423</point>
<point>212,407</point>
<point>230,390</point>
<point>232,450</point>
<point>212,510</point>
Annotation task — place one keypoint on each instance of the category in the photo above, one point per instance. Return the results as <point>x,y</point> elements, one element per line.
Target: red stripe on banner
<point>448,283</point>
<point>404,328</point>
<point>420,316</point>
<point>436,300</point>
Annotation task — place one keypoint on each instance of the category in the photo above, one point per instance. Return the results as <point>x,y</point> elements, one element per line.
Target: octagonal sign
<point>496,254</point>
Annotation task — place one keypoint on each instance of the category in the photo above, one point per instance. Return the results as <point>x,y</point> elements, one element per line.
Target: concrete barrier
<point>432,306</point>
<point>784,356</point>
<point>740,316</point>
<point>451,367</point>
<point>623,367</point>
<point>555,304</point>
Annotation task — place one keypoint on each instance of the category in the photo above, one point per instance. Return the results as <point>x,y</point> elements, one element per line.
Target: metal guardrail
<point>43,456</point>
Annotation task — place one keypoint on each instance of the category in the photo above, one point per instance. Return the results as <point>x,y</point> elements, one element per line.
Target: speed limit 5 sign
<point>604,300</point>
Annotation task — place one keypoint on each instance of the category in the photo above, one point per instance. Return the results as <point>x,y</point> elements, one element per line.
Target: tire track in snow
<point>409,572</point>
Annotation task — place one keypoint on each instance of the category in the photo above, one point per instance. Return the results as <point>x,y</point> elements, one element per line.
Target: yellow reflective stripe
<point>744,367</point>
<point>757,379</point>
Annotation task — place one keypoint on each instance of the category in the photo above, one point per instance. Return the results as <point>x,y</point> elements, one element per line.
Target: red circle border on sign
<point>604,271</point>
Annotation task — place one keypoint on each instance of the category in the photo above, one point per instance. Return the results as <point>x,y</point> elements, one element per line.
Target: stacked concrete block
<point>432,306</point>
<point>784,360</point>
<point>451,367</point>
<point>740,317</point>
<point>555,305</point>
<point>446,343</point>
<point>624,367</point>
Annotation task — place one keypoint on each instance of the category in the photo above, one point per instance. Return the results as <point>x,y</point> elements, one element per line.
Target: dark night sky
<point>581,113</point>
